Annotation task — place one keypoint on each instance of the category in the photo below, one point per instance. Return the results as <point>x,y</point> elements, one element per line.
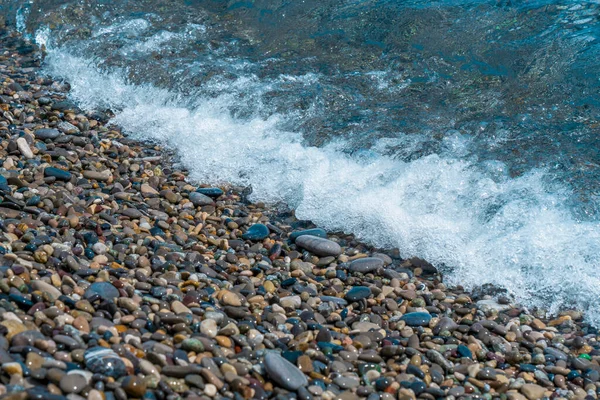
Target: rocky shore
<point>121,279</point>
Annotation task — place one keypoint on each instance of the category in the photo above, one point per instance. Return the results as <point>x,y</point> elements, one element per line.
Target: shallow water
<point>463,132</point>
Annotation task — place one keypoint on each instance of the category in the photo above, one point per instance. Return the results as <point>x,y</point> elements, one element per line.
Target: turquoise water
<point>464,132</point>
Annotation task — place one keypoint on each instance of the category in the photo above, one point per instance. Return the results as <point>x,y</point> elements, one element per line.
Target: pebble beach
<point>120,278</point>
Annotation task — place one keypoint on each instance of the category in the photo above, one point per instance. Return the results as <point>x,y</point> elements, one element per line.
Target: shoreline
<point>213,298</point>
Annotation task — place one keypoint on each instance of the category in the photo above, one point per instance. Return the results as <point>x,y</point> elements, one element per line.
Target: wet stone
<point>72,383</point>
<point>134,386</point>
<point>57,173</point>
<point>319,246</point>
<point>464,351</point>
<point>364,265</point>
<point>557,354</point>
<point>318,232</point>
<point>199,199</point>
<point>47,133</point>
<point>284,373</point>
<point>256,232</point>
<point>416,319</point>
<point>104,361</point>
<point>358,293</point>
<point>103,289</point>
<point>210,192</point>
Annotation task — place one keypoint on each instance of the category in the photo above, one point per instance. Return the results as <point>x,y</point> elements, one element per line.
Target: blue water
<point>463,132</point>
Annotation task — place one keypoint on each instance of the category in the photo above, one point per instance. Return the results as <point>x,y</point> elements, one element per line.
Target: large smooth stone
<point>46,287</point>
<point>72,383</point>
<point>358,293</point>
<point>318,232</point>
<point>68,128</point>
<point>319,246</point>
<point>46,133</point>
<point>199,199</point>
<point>14,327</point>
<point>336,300</point>
<point>556,353</point>
<point>416,319</point>
<point>104,361</point>
<point>210,192</point>
<point>134,386</point>
<point>284,373</point>
<point>445,324</point>
<point>256,232</point>
<point>27,338</point>
<point>104,289</point>
<point>59,174</point>
<point>365,265</point>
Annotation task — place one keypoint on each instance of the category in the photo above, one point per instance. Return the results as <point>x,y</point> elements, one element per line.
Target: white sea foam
<point>475,220</point>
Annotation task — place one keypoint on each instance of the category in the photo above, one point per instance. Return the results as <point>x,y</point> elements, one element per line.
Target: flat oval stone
<point>416,319</point>
<point>104,361</point>
<point>284,373</point>
<point>72,383</point>
<point>367,264</point>
<point>198,199</point>
<point>445,324</point>
<point>319,246</point>
<point>57,173</point>
<point>318,232</point>
<point>336,300</point>
<point>210,192</point>
<point>256,232</point>
<point>358,293</point>
<point>46,133</point>
<point>46,288</point>
<point>27,338</point>
<point>556,353</point>
<point>103,289</point>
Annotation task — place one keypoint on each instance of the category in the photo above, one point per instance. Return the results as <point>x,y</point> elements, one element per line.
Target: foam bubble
<point>480,224</point>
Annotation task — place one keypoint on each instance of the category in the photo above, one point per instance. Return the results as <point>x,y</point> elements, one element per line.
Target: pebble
<point>24,148</point>
<point>199,199</point>
<point>72,383</point>
<point>59,174</point>
<point>256,232</point>
<point>364,265</point>
<point>209,328</point>
<point>46,133</point>
<point>284,373</point>
<point>104,290</point>
<point>416,319</point>
<point>211,192</point>
<point>319,246</point>
<point>318,232</point>
<point>134,386</point>
<point>532,391</point>
<point>104,361</point>
<point>358,293</point>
